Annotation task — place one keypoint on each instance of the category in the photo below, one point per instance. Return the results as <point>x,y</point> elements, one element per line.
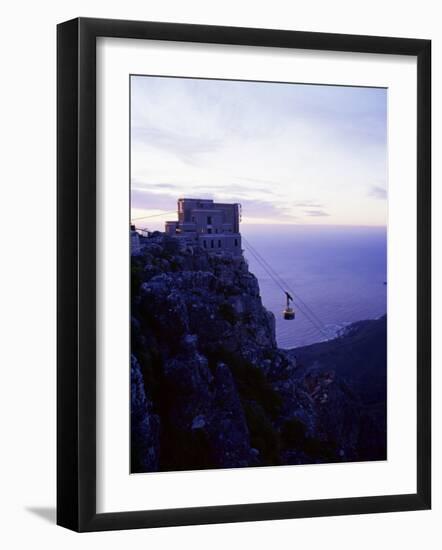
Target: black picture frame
<point>76,274</point>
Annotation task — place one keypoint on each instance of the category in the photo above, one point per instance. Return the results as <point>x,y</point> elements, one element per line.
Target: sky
<point>289,153</point>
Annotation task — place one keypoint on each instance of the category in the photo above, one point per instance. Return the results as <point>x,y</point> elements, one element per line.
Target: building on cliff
<point>213,225</point>
<point>134,241</point>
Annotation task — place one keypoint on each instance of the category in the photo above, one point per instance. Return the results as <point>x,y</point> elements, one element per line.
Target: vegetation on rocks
<point>211,389</point>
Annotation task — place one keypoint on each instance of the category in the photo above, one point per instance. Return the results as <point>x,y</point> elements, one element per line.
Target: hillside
<point>210,388</point>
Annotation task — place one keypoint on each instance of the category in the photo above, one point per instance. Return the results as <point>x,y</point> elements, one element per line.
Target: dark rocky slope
<point>210,388</point>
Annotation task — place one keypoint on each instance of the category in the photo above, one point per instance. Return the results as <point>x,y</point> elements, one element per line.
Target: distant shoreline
<point>347,332</point>
<point>342,333</point>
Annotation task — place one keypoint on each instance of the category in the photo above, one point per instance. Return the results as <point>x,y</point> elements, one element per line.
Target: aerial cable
<point>339,345</point>
<point>279,284</point>
<point>305,313</point>
<point>284,283</point>
<point>154,215</point>
<point>284,286</point>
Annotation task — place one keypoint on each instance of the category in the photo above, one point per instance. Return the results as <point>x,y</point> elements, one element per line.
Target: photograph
<point>243,274</point>
<point>258,238</point>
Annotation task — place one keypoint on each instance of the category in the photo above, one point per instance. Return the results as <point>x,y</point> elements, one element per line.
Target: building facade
<point>213,225</point>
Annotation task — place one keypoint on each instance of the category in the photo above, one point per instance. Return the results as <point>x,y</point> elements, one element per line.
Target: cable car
<point>289,312</point>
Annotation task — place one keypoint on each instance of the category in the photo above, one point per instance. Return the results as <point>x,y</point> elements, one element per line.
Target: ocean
<point>337,276</point>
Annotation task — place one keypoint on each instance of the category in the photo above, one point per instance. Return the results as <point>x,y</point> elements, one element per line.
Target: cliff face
<point>210,388</point>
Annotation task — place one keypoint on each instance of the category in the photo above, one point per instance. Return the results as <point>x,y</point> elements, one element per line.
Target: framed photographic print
<point>243,274</point>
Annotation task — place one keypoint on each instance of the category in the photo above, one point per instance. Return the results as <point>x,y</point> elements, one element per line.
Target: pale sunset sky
<point>289,153</point>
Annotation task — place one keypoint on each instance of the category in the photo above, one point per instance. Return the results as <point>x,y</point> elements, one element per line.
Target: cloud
<point>307,204</point>
<point>143,185</point>
<point>145,199</point>
<point>164,185</point>
<point>258,180</point>
<point>377,192</point>
<point>281,150</point>
<point>316,213</point>
<point>148,200</point>
<point>184,146</point>
<point>233,190</point>
<point>265,209</point>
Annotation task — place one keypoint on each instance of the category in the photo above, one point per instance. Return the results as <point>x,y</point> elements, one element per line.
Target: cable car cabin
<point>289,312</point>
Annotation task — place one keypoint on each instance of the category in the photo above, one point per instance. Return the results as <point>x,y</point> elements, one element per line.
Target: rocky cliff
<point>210,388</point>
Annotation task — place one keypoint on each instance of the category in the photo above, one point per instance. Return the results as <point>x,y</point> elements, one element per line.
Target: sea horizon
<point>337,274</point>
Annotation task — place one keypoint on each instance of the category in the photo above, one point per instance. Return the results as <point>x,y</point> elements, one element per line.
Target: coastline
<point>358,355</point>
